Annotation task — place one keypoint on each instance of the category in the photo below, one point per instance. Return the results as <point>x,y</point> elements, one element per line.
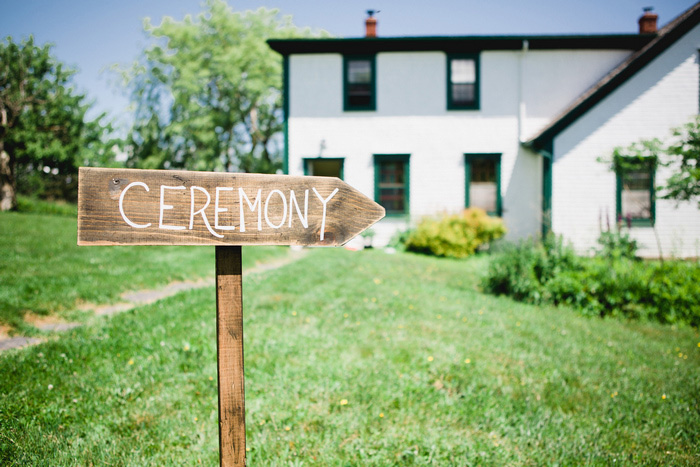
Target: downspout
<point>522,109</point>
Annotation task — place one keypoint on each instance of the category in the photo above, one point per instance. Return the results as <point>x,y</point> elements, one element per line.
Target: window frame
<point>650,164</point>
<point>468,159</point>
<point>451,105</point>
<point>347,107</point>
<point>405,158</point>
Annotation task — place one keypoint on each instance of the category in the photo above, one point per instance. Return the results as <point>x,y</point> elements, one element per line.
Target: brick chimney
<point>371,24</point>
<point>647,23</point>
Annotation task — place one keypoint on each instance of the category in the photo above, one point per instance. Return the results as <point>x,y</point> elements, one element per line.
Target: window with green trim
<point>635,192</point>
<point>463,82</point>
<point>391,182</point>
<point>483,182</point>
<point>324,166</point>
<point>359,82</point>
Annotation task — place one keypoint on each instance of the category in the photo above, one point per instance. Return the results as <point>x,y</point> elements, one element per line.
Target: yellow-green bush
<point>455,236</point>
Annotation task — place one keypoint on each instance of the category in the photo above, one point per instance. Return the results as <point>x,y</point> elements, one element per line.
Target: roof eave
<point>666,37</point>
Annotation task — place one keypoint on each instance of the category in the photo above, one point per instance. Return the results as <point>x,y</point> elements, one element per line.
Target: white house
<point>513,124</point>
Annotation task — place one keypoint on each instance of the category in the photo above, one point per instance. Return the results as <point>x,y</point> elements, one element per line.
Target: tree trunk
<point>8,195</point>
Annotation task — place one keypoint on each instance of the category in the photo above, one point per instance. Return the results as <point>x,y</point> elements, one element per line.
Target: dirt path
<point>133,299</point>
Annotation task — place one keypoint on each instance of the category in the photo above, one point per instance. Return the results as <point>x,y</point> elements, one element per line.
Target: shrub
<point>616,244</point>
<point>398,240</point>
<point>550,272</point>
<point>455,236</point>
<point>37,206</point>
<point>522,270</point>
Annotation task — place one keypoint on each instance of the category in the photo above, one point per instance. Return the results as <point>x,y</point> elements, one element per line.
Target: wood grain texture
<point>185,212</point>
<point>229,336</point>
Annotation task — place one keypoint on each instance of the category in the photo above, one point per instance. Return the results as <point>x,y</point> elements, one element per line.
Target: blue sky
<point>92,35</point>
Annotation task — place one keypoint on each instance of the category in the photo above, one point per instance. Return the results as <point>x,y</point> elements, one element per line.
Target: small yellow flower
<point>468,361</point>
<point>344,402</point>
<point>195,419</point>
<point>294,313</point>
<point>518,324</point>
<point>345,315</point>
<point>211,378</point>
<point>396,292</point>
<point>663,396</point>
<point>381,415</point>
<point>400,326</point>
<point>187,347</point>
<point>410,307</point>
<point>464,319</point>
<point>131,361</point>
<point>308,320</point>
<point>247,449</point>
<point>430,358</point>
<point>261,423</point>
<point>439,316</point>
<point>374,299</point>
<point>481,312</point>
<point>377,280</point>
<point>698,344</point>
<point>287,428</point>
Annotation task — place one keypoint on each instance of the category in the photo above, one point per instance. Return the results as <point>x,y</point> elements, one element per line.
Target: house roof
<point>458,44</point>
<point>666,37</point>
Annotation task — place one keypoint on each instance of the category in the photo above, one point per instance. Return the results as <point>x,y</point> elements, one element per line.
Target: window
<point>635,191</point>
<point>391,182</point>
<point>483,182</point>
<point>358,81</point>
<point>463,82</point>
<point>324,167</point>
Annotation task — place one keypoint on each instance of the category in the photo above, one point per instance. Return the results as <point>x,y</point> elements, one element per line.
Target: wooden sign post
<point>167,207</point>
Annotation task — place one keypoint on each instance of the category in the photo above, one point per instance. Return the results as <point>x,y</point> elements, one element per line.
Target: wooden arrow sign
<point>164,207</point>
<point>168,207</point>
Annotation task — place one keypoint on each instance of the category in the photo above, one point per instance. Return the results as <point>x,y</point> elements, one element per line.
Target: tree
<point>42,121</point>
<point>684,157</point>
<point>207,92</point>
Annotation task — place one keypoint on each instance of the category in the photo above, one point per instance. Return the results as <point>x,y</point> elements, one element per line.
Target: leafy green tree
<point>207,92</point>
<point>43,132</point>
<point>684,157</point>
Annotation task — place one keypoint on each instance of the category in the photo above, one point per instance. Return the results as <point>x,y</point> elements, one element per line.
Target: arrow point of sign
<point>356,214</point>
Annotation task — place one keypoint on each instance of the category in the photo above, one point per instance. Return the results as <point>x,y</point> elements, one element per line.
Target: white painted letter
<point>324,201</point>
<point>241,195</point>
<point>217,209</point>
<point>284,209</point>
<point>121,206</point>
<point>292,201</point>
<point>163,207</point>
<point>201,210</point>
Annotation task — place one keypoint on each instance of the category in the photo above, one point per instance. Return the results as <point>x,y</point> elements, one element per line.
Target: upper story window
<point>359,82</point>
<point>463,82</point>
<point>635,192</point>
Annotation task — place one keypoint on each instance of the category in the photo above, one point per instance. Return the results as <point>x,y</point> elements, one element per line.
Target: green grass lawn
<point>363,359</point>
<point>43,271</point>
